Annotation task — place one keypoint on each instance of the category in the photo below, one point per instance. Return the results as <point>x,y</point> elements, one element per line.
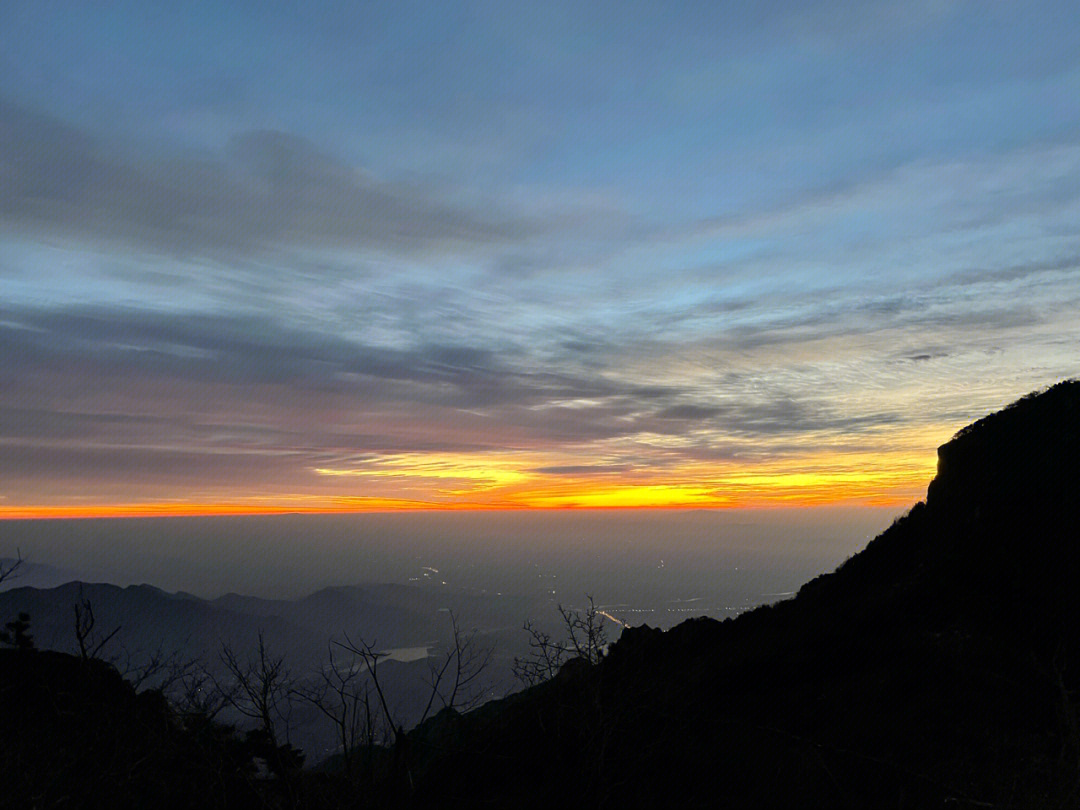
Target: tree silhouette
<point>17,633</point>
<point>90,643</point>
<point>585,638</point>
<point>11,570</point>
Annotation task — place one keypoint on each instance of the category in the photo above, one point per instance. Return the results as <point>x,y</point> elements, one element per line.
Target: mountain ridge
<point>938,665</point>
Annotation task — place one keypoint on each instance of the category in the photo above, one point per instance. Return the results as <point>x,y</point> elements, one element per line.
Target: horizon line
<point>167,510</point>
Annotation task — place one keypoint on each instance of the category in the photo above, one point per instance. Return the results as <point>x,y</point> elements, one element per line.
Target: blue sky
<point>521,253</point>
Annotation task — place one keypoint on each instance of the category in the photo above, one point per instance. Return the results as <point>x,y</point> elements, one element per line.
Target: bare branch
<point>157,669</point>
<point>370,657</point>
<point>90,646</point>
<point>262,688</point>
<point>470,661</point>
<point>586,638</point>
<point>199,693</point>
<point>341,695</point>
<point>11,570</point>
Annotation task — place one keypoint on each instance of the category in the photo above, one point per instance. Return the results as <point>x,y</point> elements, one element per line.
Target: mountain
<point>938,667</point>
<point>150,618</point>
<point>73,733</point>
<point>33,575</point>
<point>396,615</point>
<point>406,621</point>
<point>147,618</point>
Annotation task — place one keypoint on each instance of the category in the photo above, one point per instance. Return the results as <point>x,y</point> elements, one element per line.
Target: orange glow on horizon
<point>626,499</point>
<point>150,510</point>
<point>844,474</point>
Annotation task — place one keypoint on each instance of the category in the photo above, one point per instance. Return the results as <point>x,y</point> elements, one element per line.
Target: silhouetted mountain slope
<point>74,734</point>
<point>178,628</point>
<point>938,667</point>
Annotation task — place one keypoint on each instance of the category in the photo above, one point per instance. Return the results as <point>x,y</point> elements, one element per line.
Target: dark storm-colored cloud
<point>268,189</point>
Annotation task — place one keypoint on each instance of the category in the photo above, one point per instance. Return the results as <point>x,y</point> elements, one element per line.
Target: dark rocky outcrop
<point>938,667</point>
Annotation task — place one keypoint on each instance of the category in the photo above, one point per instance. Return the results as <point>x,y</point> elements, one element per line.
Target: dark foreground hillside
<point>73,733</point>
<point>937,668</point>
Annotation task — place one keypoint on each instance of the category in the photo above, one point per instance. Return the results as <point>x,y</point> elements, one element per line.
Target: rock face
<point>1016,458</point>
<point>938,667</point>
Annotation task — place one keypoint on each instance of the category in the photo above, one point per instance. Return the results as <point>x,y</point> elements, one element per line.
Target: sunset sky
<point>332,256</point>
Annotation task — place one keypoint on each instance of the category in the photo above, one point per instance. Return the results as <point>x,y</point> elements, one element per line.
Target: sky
<point>263,257</point>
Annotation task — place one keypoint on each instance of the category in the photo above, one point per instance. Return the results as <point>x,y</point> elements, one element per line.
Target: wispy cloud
<point>265,190</point>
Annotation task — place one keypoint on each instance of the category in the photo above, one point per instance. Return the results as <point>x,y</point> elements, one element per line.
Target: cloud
<point>690,412</point>
<point>71,463</point>
<point>584,469</point>
<point>913,198</point>
<point>300,379</point>
<point>267,189</point>
<point>246,350</point>
<point>95,386</point>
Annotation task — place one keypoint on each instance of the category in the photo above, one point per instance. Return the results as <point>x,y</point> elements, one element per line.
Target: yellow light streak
<point>840,470</point>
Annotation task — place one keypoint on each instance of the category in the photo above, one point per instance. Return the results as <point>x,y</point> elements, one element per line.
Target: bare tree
<point>11,570</point>
<point>369,657</point>
<point>453,680</point>
<point>157,669</point>
<point>16,632</point>
<point>585,638</point>
<point>90,644</point>
<point>197,693</point>
<point>598,720</point>
<point>342,693</point>
<point>262,687</point>
<point>546,655</point>
<point>456,682</point>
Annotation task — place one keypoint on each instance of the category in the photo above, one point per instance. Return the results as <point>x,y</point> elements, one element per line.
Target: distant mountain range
<point>392,615</point>
<point>939,667</point>
<point>34,574</point>
<point>405,622</point>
